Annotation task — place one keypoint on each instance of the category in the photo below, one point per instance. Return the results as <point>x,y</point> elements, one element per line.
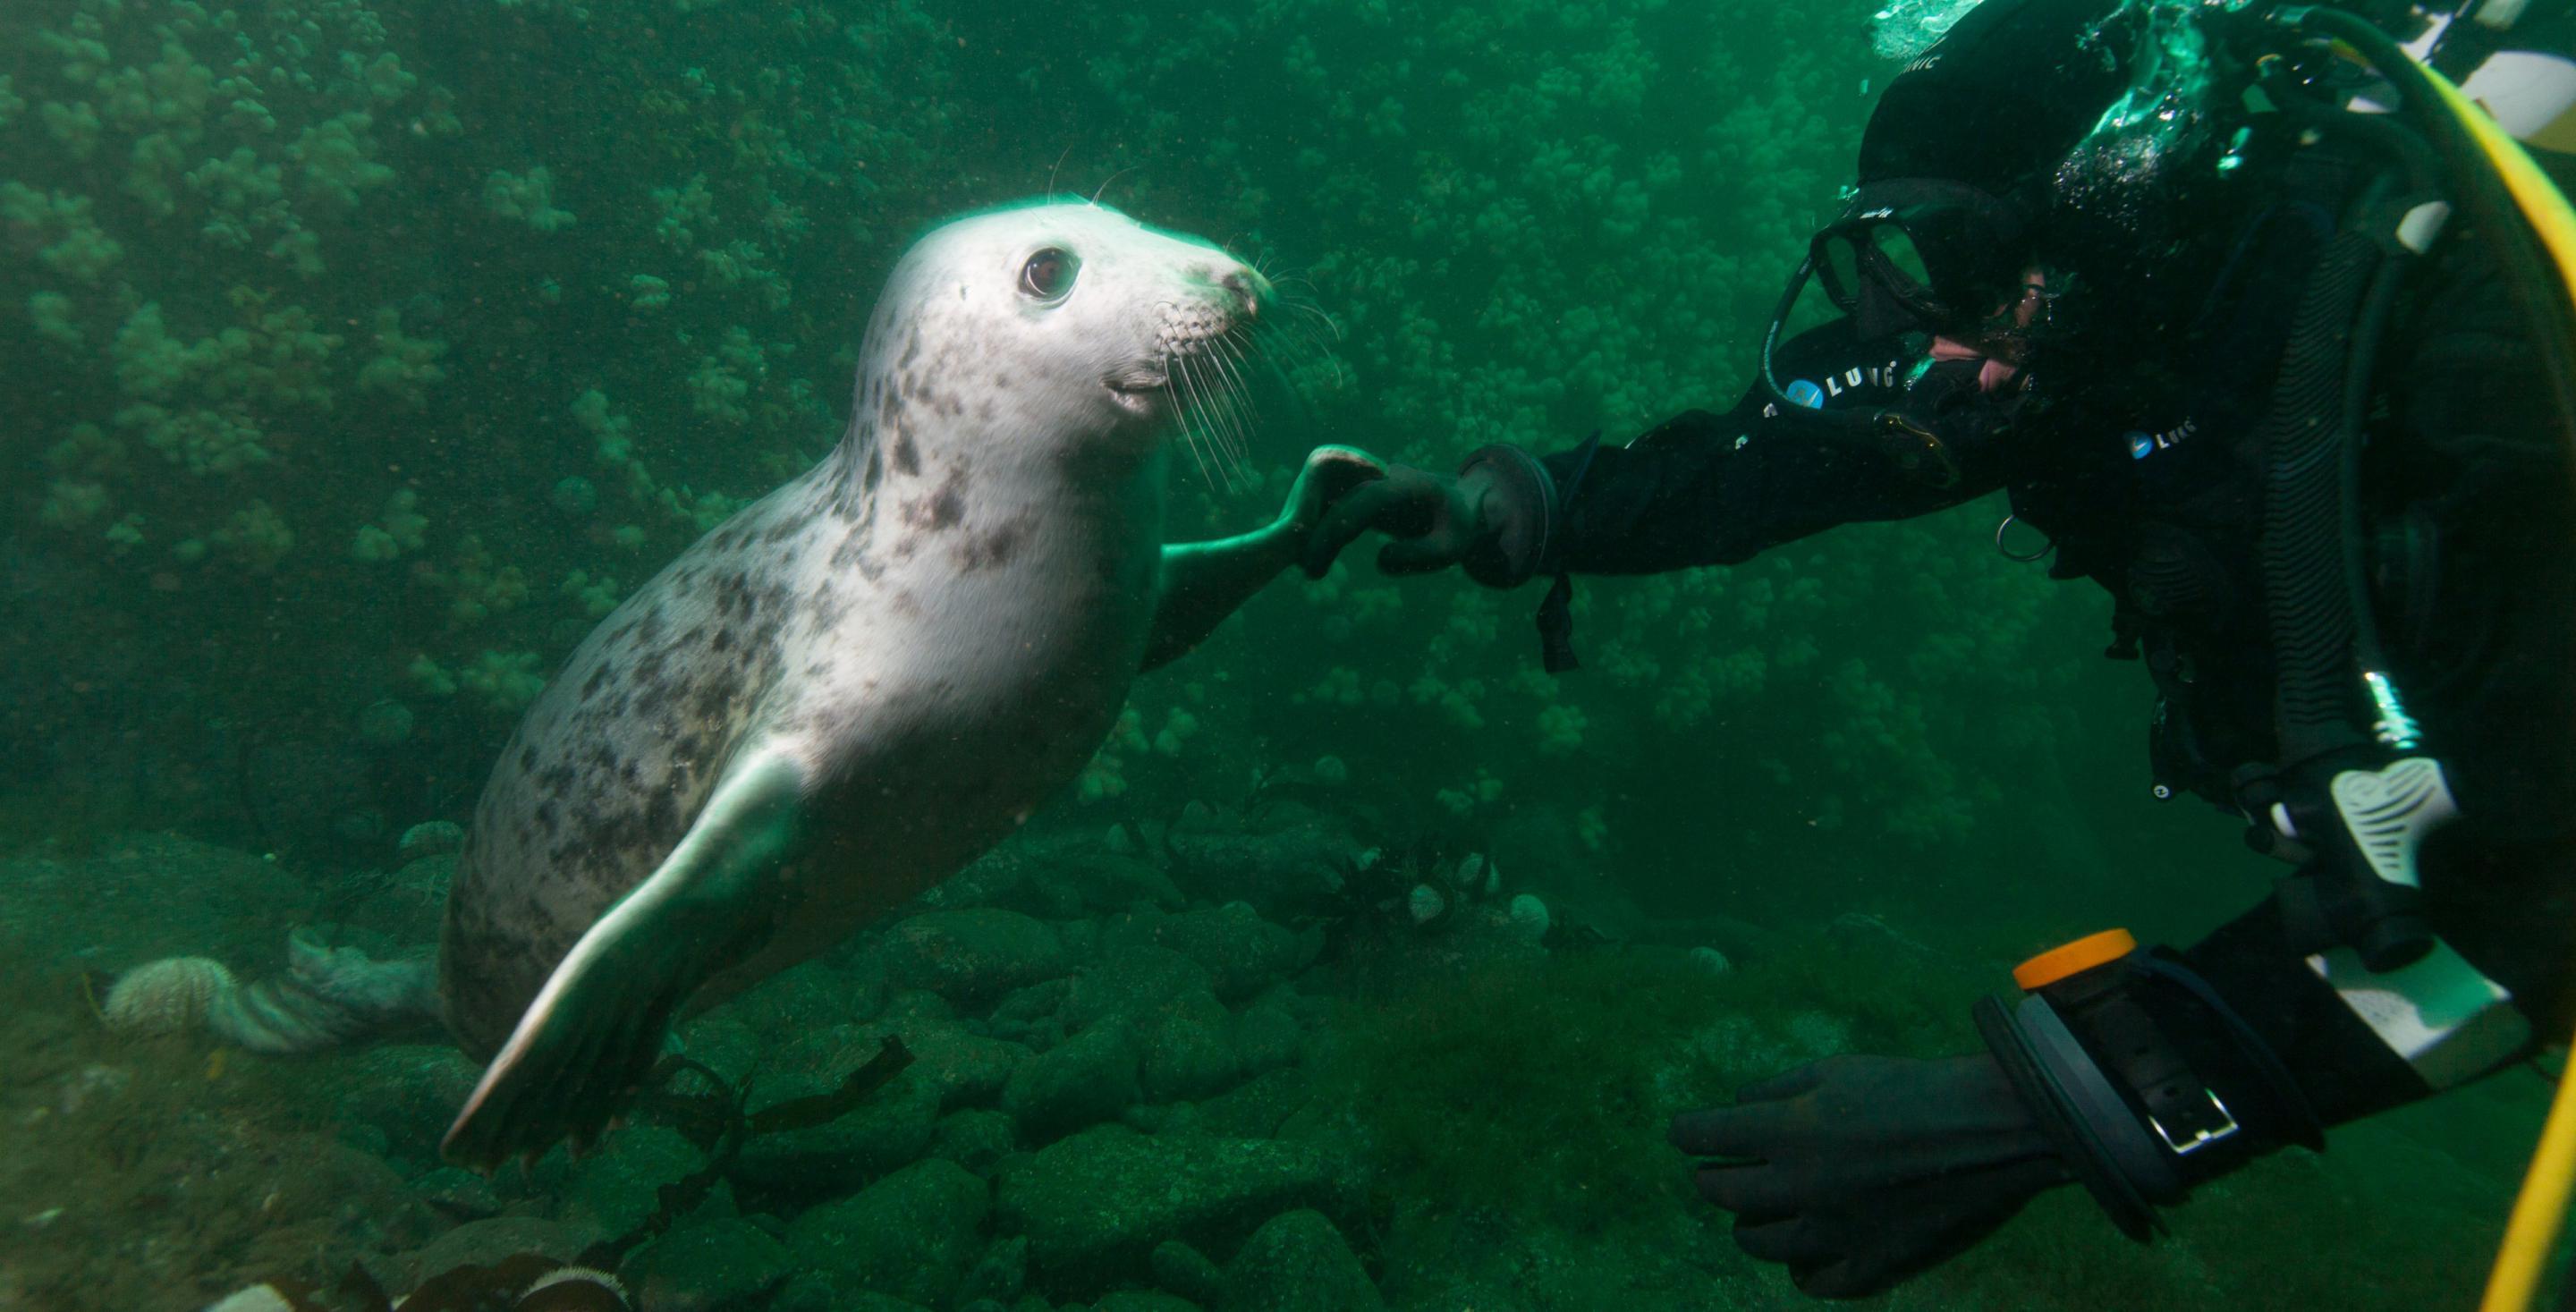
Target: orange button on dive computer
<point>2073,958</point>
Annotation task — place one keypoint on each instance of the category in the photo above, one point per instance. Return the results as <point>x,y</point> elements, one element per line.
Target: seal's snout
<point>1241,291</point>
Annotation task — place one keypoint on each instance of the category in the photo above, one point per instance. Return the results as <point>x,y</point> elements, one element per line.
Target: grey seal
<point>854,686</point>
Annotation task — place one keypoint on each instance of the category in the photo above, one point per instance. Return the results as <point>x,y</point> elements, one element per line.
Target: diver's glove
<point>1491,518</point>
<point>1857,1172</point>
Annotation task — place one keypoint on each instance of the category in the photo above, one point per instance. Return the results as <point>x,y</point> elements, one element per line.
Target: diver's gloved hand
<point>1858,1172</point>
<point>1490,518</point>
<point>1435,519</point>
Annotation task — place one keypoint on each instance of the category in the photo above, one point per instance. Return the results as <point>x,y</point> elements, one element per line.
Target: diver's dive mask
<point>1921,255</point>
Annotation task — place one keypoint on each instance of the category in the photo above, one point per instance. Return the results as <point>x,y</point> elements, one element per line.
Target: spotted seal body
<point>852,687</point>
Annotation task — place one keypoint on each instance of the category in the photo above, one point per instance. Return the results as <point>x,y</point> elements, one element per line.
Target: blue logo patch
<point>2141,446</point>
<point>1805,392</point>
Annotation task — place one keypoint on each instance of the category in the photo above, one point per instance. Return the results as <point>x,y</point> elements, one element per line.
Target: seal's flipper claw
<point>1203,582</point>
<point>1330,472</point>
<point>598,1022</point>
<point>589,1107</point>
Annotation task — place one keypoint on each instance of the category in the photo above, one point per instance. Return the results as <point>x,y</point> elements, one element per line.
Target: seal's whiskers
<point>1229,361</point>
<point>1185,409</point>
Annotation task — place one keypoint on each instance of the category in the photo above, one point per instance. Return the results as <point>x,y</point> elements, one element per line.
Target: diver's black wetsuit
<point>2138,465</point>
<point>2016,195</point>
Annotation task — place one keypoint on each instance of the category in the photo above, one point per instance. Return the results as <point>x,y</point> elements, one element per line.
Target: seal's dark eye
<point>1048,274</point>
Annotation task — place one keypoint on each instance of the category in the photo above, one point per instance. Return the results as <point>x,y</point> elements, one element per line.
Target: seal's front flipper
<point>1203,582</point>
<point>596,1028</point>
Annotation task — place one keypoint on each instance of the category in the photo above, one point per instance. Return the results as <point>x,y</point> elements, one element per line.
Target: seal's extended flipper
<point>1203,582</point>
<point>596,1027</point>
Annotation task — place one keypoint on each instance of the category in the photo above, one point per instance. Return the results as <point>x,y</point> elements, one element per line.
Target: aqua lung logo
<point>1809,394</point>
<point>2144,444</point>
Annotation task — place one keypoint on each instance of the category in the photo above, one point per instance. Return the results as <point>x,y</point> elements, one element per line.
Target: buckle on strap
<point>2199,1137</point>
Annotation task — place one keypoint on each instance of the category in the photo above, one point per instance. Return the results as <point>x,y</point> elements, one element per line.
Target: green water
<point>359,357</point>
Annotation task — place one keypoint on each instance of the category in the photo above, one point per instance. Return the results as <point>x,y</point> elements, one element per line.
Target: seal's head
<point>1053,319</point>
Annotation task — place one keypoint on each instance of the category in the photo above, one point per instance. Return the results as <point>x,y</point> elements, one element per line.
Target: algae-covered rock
<point>1084,1080</point>
<point>1291,871</point>
<point>1090,880</point>
<point>972,956</point>
<point>950,1068</point>
<point>960,1068</point>
<point>1241,952</point>
<point>723,1043</point>
<point>815,1292</point>
<point>1143,1300</point>
<point>1030,1015</point>
<point>968,1070</point>
<point>1268,1035</point>
<point>1297,1262</point>
<point>813,996</point>
<point>1189,1049</point>
<point>400,908</point>
<point>1258,1107</point>
<point>718,1266</point>
<point>888,1129</point>
<point>458,1194</point>
<point>1000,1273</point>
<point>976,1138</point>
<point>1038,1001</point>
<point>1095,1204</point>
<point>1185,1272</point>
<point>136,897</point>
<point>618,1187</point>
<point>1135,980</point>
<point>911,1235</point>
<point>1057,878</point>
<point>409,1092</point>
<point>483,1243</point>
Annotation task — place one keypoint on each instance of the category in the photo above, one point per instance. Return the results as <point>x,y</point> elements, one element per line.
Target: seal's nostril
<point>1242,285</point>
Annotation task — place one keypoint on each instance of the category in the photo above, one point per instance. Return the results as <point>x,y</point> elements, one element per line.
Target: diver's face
<point>2004,332</point>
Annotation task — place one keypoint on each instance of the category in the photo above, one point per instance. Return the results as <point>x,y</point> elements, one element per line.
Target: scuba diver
<point>2259,326</point>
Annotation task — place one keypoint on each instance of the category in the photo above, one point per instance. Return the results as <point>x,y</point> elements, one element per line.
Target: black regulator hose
<point>2422,168</point>
<point>2309,440</point>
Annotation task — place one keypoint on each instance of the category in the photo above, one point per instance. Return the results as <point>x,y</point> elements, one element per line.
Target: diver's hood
<point>1956,164</point>
<point>2002,97</point>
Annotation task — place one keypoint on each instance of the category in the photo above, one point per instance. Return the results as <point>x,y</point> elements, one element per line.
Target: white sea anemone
<point>1469,875</point>
<point>167,996</point>
<point>429,838</point>
<point>1529,916</point>
<point>257,1298</point>
<point>599,1283</point>
<point>1425,904</point>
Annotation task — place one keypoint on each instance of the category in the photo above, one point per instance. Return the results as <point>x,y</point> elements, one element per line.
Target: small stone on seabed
<point>429,838</point>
